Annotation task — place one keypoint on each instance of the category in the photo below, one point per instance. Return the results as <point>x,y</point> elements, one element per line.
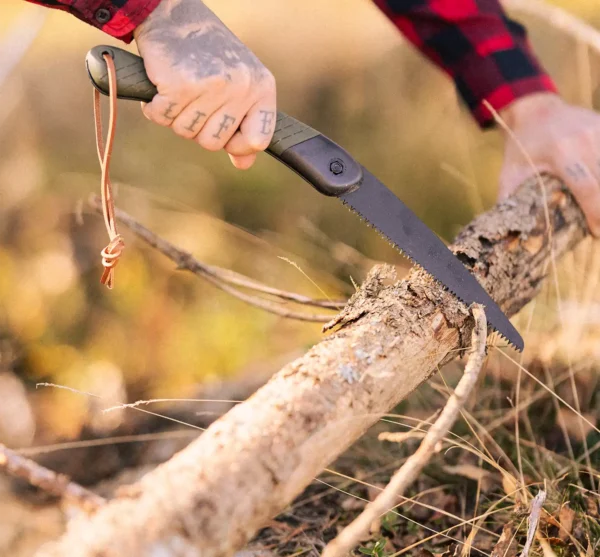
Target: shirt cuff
<point>500,78</point>
<point>116,18</point>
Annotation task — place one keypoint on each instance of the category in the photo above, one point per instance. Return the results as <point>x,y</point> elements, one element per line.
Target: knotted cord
<point>112,252</point>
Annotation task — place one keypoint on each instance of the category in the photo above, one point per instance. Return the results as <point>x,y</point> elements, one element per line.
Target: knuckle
<point>213,147</point>
<point>164,113</point>
<point>180,129</point>
<point>217,84</point>
<point>244,80</point>
<point>160,120</point>
<point>206,141</point>
<point>257,143</point>
<point>268,82</point>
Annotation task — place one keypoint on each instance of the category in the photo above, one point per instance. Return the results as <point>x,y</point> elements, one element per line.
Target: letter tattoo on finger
<point>197,118</point>
<point>267,121</point>
<point>226,123</point>
<point>576,171</point>
<point>168,113</point>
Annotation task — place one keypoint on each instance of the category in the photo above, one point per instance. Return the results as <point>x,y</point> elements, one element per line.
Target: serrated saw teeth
<point>333,172</point>
<point>391,212</point>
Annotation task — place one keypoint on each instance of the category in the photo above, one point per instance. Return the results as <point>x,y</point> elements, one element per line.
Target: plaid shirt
<point>485,52</point>
<point>474,41</point>
<point>116,17</point>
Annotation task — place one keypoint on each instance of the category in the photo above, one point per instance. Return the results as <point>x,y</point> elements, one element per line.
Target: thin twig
<point>534,519</point>
<point>48,481</point>
<point>355,532</point>
<point>162,400</point>
<point>134,407</point>
<point>125,439</point>
<point>226,279</point>
<point>552,393</point>
<point>414,501</point>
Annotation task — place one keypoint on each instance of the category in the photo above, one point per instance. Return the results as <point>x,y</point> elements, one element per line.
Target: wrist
<point>536,106</point>
<point>157,14</point>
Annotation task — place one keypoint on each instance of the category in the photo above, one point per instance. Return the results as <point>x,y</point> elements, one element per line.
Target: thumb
<point>242,162</point>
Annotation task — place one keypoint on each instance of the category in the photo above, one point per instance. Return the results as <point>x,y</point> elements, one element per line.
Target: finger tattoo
<point>577,171</point>
<point>193,123</point>
<point>267,121</point>
<point>225,125</point>
<point>167,113</point>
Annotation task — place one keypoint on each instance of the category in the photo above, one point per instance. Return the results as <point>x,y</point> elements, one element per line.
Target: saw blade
<point>333,172</point>
<point>382,210</point>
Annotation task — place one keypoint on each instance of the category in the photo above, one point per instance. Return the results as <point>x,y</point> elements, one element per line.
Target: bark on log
<point>212,497</point>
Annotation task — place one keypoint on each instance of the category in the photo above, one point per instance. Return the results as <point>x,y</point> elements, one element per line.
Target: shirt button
<point>102,15</point>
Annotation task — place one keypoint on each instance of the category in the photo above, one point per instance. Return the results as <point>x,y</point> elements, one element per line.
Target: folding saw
<point>333,172</point>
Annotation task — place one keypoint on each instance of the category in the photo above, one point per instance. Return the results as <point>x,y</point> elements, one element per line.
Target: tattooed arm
<point>211,88</point>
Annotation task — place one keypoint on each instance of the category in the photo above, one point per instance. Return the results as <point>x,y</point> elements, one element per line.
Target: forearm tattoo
<point>196,40</point>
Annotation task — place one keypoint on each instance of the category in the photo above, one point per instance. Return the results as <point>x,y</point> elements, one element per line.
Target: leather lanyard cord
<point>112,252</point>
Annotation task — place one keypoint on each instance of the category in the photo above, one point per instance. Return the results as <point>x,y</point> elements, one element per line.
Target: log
<point>213,496</point>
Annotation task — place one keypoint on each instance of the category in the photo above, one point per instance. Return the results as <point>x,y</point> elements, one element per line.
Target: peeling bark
<point>211,498</point>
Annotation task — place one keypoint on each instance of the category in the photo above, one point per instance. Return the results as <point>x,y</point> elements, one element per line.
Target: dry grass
<point>534,423</point>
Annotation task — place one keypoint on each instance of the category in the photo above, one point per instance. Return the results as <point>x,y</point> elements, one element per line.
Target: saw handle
<point>329,168</point>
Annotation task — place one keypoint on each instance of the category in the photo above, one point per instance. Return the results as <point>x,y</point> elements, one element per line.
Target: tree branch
<point>47,480</point>
<point>211,498</point>
<point>225,279</point>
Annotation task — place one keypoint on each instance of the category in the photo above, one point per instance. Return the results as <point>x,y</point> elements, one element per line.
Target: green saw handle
<point>325,165</point>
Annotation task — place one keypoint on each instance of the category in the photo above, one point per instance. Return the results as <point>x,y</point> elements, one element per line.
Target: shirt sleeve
<point>486,53</point>
<point>116,17</point>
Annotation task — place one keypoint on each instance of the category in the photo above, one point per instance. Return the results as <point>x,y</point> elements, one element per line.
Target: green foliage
<point>389,522</point>
<point>375,550</point>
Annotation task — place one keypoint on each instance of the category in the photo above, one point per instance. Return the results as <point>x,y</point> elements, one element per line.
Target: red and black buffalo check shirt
<point>486,53</point>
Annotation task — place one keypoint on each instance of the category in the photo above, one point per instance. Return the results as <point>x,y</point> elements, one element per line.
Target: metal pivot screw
<point>337,167</point>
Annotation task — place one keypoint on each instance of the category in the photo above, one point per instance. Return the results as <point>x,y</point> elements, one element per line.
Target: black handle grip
<point>321,162</point>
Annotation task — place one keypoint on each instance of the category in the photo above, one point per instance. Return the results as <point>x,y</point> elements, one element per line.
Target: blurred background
<point>342,68</point>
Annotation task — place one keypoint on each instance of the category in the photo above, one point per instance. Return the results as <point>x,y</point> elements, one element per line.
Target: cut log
<point>213,496</point>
